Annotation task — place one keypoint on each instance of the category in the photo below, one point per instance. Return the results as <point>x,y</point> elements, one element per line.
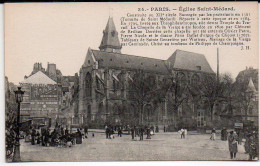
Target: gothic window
<point>100,107</point>
<point>200,119</point>
<point>88,85</point>
<point>182,78</point>
<point>97,83</point>
<point>195,79</point>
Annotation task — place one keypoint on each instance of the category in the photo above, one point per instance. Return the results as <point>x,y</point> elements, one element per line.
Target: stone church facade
<point>104,77</point>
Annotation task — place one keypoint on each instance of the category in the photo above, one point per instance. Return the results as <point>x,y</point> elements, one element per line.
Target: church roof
<point>110,36</point>
<point>117,60</point>
<point>251,86</point>
<point>189,61</point>
<point>38,78</point>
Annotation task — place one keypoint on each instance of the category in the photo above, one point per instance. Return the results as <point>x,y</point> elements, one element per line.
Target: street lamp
<point>19,98</point>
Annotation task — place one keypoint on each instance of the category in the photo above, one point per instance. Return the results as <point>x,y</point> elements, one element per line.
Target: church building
<point>104,77</point>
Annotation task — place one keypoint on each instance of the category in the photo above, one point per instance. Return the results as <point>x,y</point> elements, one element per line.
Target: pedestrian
<point>107,132</point>
<point>78,137</point>
<point>62,131</point>
<point>148,132</point>
<point>133,133</point>
<point>141,133</point>
<point>38,137</point>
<point>185,133</point>
<point>164,129</point>
<point>157,129</point>
<point>47,137</point>
<point>33,135</point>
<point>223,133</point>
<point>213,134</point>
<point>232,144</point>
<point>119,131</point>
<point>66,131</point>
<point>111,133</point>
<point>247,136</point>
<point>253,146</point>
<point>182,133</point>
<point>240,137</point>
<point>86,131</point>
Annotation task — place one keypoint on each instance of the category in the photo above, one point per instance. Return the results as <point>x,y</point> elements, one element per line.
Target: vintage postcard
<point>131,81</point>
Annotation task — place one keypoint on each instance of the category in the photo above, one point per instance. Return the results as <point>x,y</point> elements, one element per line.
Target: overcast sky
<point>61,33</point>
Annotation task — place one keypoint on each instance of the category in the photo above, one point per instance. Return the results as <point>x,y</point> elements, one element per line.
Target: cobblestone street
<point>162,146</point>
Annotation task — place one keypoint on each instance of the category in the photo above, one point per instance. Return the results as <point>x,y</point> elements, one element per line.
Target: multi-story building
<point>48,96</point>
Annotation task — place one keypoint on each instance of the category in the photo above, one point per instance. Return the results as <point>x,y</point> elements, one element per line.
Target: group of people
<point>134,131</point>
<point>139,131</point>
<point>235,138</point>
<point>57,137</point>
<point>183,132</point>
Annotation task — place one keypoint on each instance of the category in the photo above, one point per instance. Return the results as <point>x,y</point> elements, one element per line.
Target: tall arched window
<point>195,79</point>
<point>182,78</point>
<point>88,84</point>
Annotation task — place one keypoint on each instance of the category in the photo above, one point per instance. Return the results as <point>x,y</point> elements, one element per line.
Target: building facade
<point>48,96</point>
<point>104,83</point>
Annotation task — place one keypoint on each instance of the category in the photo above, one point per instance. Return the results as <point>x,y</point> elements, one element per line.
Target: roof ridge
<point>189,52</point>
<point>129,55</point>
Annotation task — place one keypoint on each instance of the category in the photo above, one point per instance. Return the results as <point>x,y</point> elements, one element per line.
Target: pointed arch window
<point>195,79</point>
<point>88,85</point>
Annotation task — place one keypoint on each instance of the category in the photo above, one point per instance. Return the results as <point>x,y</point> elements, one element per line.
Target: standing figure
<point>185,133</point>
<point>33,136</point>
<point>107,132</point>
<point>111,133</point>
<point>86,131</point>
<point>253,147</point>
<point>79,137</point>
<point>232,144</point>
<point>164,129</point>
<point>133,133</point>
<point>213,134</point>
<point>141,133</point>
<point>119,131</point>
<point>223,134</point>
<point>157,129</point>
<point>182,133</point>
<point>38,137</point>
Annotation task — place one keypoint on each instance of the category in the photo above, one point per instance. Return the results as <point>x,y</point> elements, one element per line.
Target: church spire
<point>110,41</point>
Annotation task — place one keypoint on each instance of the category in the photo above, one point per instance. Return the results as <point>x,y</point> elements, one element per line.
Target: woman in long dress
<point>232,144</point>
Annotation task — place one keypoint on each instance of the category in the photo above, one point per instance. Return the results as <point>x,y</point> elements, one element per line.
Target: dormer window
<point>198,67</point>
<point>113,33</point>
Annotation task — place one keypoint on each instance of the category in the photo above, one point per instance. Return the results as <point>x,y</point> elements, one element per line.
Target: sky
<point>61,33</point>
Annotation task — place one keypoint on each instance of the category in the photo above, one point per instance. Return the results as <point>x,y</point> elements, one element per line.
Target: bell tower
<point>110,41</point>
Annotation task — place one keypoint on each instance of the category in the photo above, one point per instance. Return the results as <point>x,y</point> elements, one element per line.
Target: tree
<point>143,90</point>
<point>177,90</point>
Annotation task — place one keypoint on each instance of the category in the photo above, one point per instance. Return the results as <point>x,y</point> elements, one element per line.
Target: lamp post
<point>19,98</point>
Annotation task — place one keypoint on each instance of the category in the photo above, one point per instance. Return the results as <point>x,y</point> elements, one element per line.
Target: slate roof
<point>110,36</point>
<point>189,61</point>
<point>251,86</point>
<point>179,60</point>
<point>39,78</point>
<point>70,78</point>
<point>124,61</point>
